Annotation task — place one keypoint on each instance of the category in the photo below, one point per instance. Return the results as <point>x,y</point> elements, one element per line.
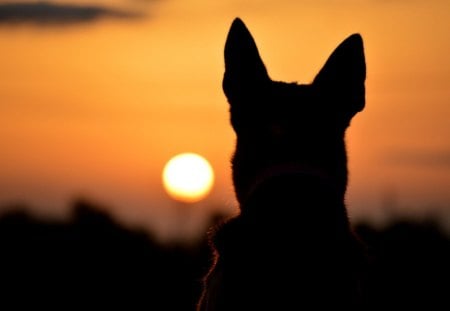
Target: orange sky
<point>97,108</point>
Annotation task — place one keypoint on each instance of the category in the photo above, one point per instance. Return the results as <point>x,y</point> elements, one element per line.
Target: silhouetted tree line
<point>93,262</point>
<point>409,266</point>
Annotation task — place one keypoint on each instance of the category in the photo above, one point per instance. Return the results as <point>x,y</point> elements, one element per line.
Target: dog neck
<point>286,169</point>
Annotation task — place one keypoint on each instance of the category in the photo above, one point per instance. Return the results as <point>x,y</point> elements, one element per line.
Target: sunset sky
<point>96,96</point>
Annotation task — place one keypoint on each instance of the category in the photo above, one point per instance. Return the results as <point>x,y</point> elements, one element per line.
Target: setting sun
<point>188,177</point>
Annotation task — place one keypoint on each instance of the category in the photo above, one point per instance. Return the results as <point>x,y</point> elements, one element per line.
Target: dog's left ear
<point>244,69</point>
<point>343,75</point>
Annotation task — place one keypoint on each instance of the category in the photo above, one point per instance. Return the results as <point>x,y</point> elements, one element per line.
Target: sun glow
<point>188,177</point>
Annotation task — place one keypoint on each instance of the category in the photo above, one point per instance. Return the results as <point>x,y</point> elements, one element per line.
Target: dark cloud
<point>47,13</point>
<point>439,159</point>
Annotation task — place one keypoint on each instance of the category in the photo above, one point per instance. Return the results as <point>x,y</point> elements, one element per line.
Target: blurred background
<point>97,96</point>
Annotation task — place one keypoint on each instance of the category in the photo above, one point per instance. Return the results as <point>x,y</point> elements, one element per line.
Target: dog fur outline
<point>291,246</point>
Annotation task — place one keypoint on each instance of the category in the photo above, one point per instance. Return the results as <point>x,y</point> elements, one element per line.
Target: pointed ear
<point>244,69</point>
<point>343,75</point>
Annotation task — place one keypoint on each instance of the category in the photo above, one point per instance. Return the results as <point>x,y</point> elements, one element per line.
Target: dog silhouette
<point>291,247</point>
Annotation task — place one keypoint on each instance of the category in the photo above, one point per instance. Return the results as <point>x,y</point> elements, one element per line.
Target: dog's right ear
<point>244,69</point>
<point>344,74</point>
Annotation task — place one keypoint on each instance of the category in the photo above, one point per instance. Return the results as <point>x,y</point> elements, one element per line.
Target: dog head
<point>278,123</point>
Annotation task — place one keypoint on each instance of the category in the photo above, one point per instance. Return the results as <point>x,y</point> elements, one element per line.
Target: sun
<point>188,177</point>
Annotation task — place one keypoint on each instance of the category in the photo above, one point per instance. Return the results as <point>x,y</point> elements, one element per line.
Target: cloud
<point>439,159</point>
<point>47,13</point>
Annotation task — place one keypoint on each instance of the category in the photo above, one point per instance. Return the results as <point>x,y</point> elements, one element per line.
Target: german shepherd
<point>291,247</point>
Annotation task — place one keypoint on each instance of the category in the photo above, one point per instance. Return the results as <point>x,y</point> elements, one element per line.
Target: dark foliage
<point>409,268</point>
<point>94,262</point>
